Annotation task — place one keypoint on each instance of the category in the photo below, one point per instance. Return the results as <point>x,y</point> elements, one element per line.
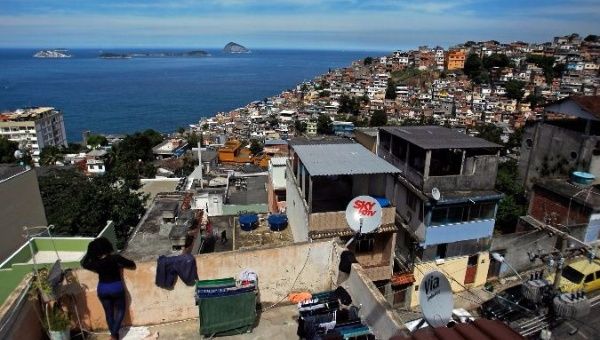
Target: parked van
<point>582,274</point>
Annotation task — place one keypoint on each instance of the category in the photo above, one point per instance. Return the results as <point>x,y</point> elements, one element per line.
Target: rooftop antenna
<point>200,164</point>
<point>363,215</point>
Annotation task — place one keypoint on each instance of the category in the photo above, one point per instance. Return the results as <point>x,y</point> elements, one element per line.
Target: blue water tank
<point>248,222</point>
<point>278,222</point>
<point>584,178</point>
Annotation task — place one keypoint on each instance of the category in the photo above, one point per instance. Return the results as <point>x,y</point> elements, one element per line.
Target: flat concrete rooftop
<point>275,323</point>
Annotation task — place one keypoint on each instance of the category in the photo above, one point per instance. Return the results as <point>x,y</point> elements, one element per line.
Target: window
<point>455,214</point>
<point>441,251</point>
<point>473,260</point>
<point>438,216</point>
<point>365,245</point>
<point>589,278</point>
<point>572,274</point>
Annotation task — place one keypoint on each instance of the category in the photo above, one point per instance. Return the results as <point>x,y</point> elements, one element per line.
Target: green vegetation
<point>133,157</point>
<point>349,104</point>
<point>591,38</point>
<point>404,75</point>
<point>490,132</point>
<point>379,118</point>
<point>390,91</point>
<point>51,154</point>
<point>78,205</point>
<point>256,147</point>
<point>514,89</point>
<point>7,150</point>
<point>324,125</point>
<point>514,204</point>
<point>547,65</point>
<point>368,61</point>
<point>299,126</point>
<point>95,141</point>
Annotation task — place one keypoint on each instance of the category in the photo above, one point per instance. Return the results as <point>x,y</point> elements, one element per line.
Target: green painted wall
<point>62,244</point>
<point>10,278</point>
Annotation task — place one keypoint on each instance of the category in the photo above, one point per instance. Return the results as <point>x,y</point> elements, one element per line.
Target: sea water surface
<point>127,95</point>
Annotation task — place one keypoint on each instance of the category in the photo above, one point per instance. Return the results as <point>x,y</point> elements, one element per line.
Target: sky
<point>299,24</point>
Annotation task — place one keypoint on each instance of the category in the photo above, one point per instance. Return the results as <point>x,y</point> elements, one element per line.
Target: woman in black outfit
<point>100,258</point>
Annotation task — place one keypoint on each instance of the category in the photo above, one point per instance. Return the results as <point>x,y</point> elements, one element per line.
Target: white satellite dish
<point>364,214</point>
<point>436,194</point>
<point>435,297</point>
<point>18,154</point>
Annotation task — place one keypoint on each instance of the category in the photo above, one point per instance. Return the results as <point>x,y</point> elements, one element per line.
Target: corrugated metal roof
<point>341,159</point>
<point>438,137</point>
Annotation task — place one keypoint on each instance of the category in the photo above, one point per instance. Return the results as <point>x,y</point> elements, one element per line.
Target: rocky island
<point>52,54</point>
<point>235,48</point>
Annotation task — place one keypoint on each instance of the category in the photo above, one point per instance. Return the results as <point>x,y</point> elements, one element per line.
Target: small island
<point>169,54</point>
<point>235,48</point>
<point>52,54</point>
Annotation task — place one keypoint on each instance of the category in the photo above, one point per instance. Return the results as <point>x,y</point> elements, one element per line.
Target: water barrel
<point>277,222</point>
<point>248,222</point>
<point>583,178</point>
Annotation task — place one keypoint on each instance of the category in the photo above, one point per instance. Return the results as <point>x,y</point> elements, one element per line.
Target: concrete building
<point>94,161</point>
<point>566,139</point>
<point>445,203</point>
<point>174,147</point>
<point>455,59</point>
<point>321,180</point>
<point>343,128</point>
<point>311,128</point>
<point>35,127</point>
<point>20,205</point>
<point>276,184</point>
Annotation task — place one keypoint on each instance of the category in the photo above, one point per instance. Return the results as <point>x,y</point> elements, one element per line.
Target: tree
<point>496,60</point>
<point>180,130</point>
<point>50,155</point>
<point>324,125</point>
<point>390,91</point>
<point>193,139</point>
<point>80,206</point>
<point>7,150</point>
<point>95,141</point>
<point>545,63</point>
<point>133,157</point>
<point>473,66</point>
<point>514,89</point>
<point>324,94</point>
<point>514,140</point>
<point>368,61</point>
<point>256,147</point>
<point>349,104</point>
<point>514,203</point>
<point>299,126</point>
<point>379,118</point>
<point>591,38</point>
<point>490,132</point>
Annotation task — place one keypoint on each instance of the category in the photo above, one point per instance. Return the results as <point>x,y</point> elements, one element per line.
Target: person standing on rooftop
<point>101,259</point>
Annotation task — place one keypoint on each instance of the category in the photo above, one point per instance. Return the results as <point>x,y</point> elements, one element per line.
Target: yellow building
<point>455,59</point>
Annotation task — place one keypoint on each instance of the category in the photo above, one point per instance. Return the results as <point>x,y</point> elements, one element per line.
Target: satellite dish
<point>435,297</point>
<point>18,154</point>
<point>363,214</point>
<point>435,193</point>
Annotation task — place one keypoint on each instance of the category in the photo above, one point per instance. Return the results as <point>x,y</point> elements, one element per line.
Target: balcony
<point>454,232</point>
<point>336,220</point>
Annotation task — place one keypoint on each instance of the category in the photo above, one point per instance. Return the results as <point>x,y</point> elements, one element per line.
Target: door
<point>471,269</point>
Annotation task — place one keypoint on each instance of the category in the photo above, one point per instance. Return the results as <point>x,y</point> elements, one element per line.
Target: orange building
<point>233,153</point>
<point>455,59</point>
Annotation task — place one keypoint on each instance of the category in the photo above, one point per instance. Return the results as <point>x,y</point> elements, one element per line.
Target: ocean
<point>127,95</point>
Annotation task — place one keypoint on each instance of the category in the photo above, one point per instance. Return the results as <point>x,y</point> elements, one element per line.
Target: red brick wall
<point>543,203</point>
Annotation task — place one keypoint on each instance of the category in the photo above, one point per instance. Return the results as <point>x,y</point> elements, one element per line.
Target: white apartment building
<point>36,127</point>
